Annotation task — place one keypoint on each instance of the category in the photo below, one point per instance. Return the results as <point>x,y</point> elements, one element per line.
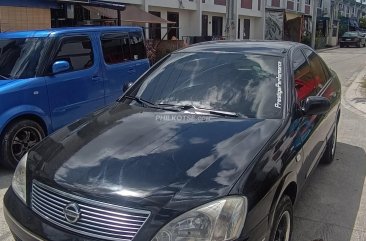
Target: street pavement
<point>332,205</point>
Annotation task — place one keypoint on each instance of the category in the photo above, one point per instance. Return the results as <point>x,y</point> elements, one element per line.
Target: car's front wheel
<point>17,139</point>
<point>283,221</point>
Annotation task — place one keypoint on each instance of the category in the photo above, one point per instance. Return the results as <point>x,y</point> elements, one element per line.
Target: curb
<point>353,98</point>
<point>326,49</point>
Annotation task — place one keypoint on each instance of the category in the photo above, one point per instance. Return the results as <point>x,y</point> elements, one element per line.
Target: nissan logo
<point>72,212</point>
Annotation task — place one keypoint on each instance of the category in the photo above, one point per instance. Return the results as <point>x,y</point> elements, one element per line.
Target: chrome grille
<point>97,219</point>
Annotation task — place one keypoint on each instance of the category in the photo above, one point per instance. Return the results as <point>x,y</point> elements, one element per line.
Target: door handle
<point>131,70</point>
<point>97,79</point>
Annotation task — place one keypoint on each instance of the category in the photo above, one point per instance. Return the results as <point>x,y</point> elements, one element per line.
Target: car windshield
<point>249,85</point>
<point>19,58</point>
<point>350,34</point>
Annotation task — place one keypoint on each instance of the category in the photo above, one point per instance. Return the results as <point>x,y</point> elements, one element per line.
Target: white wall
<point>209,6</point>
<point>190,15</point>
<point>187,5</point>
<point>189,21</point>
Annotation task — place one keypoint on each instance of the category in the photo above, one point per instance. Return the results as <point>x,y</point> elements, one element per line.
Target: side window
<point>303,76</point>
<point>116,48</point>
<point>326,70</point>
<point>317,68</point>
<point>137,45</point>
<point>77,51</point>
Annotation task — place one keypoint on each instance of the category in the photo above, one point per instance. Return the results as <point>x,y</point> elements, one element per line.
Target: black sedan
<point>213,143</point>
<point>356,39</point>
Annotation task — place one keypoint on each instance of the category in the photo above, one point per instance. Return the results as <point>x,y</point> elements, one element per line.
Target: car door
<point>306,84</point>
<point>80,90</point>
<point>118,63</point>
<point>327,87</point>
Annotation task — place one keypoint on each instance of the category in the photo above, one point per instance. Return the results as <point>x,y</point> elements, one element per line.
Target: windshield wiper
<point>209,111</point>
<point>140,101</point>
<point>147,103</point>
<point>4,77</point>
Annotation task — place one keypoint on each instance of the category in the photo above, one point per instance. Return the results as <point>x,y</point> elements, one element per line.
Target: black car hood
<point>130,154</point>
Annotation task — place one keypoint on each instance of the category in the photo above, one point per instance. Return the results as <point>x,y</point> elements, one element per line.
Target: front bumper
<point>349,42</point>
<point>28,226</point>
<point>18,230</point>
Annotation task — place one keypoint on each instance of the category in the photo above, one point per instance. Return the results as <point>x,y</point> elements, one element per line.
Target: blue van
<point>49,78</point>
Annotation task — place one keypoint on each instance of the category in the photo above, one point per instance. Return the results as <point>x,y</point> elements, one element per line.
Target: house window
<point>307,9</point>
<point>246,4</point>
<point>220,2</point>
<point>298,5</point>
<point>290,5</point>
<point>173,27</point>
<point>155,28</point>
<point>276,3</point>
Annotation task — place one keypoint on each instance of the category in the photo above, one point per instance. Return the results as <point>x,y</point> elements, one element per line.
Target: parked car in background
<point>356,39</point>
<point>214,142</point>
<point>49,78</point>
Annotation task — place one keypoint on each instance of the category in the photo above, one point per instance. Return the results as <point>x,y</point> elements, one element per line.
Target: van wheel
<point>329,152</point>
<point>17,139</point>
<point>283,221</point>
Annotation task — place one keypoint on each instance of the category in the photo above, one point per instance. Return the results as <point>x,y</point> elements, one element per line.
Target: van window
<point>137,45</point>
<point>20,58</point>
<point>77,51</point>
<point>116,48</point>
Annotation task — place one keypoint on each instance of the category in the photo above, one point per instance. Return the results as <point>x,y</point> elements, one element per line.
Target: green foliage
<point>362,22</point>
<point>306,39</point>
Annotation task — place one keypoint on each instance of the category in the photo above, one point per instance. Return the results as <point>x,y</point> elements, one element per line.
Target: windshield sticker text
<point>278,84</point>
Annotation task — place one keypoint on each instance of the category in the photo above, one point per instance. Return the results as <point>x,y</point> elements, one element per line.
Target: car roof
<point>260,46</point>
<point>43,33</point>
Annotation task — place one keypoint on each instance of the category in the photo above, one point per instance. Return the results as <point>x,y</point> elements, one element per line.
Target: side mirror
<point>127,86</point>
<point>60,66</point>
<point>315,105</point>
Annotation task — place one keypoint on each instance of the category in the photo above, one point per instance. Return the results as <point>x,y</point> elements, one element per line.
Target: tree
<point>362,23</point>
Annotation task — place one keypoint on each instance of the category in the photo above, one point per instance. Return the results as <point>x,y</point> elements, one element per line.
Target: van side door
<point>79,90</point>
<point>118,63</point>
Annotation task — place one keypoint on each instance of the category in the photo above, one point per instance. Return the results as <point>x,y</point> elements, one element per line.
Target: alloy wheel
<point>284,227</point>
<point>23,140</point>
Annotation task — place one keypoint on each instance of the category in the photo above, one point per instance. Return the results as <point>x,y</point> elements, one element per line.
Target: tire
<point>329,153</point>
<point>283,221</point>
<point>359,45</point>
<point>341,45</point>
<point>17,139</point>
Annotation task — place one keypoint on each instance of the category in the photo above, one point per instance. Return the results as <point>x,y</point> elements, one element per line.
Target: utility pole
<point>231,19</point>
<point>313,25</point>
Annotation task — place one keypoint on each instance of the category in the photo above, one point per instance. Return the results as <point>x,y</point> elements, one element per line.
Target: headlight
<point>19,179</point>
<point>219,220</point>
